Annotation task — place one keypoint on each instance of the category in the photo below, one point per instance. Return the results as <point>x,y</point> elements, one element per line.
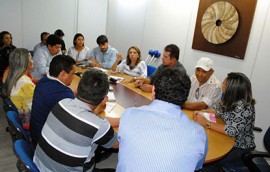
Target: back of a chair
<point>9,105</point>
<point>25,154</point>
<point>266,140</point>
<point>16,124</point>
<point>150,70</point>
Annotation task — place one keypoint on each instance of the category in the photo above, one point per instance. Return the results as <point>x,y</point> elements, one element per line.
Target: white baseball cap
<point>205,63</point>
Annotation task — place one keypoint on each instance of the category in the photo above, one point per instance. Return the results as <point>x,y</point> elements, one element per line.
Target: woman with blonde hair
<point>133,65</point>
<point>18,86</point>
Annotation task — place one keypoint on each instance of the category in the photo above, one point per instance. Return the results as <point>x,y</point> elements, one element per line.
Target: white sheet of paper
<point>111,97</point>
<point>109,106</point>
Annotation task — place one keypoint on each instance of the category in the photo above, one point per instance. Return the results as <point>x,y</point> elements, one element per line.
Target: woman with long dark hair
<point>237,110</point>
<point>6,47</point>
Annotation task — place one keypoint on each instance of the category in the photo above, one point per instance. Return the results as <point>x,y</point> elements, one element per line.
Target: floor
<point>8,159</point>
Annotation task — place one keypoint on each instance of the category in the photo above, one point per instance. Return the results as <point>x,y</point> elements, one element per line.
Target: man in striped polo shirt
<point>73,129</point>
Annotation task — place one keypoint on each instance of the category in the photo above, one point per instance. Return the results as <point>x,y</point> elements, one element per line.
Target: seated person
<point>44,56</point>
<point>237,110</point>
<point>61,35</point>
<point>18,86</point>
<point>159,136</point>
<point>133,65</point>
<point>78,51</point>
<point>6,47</point>
<point>73,130</point>
<point>52,88</point>
<point>103,56</point>
<point>205,87</point>
<point>43,37</point>
<point>169,60</point>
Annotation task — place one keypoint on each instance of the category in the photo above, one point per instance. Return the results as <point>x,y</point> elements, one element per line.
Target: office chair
<point>16,128</point>
<point>150,70</point>
<point>9,105</point>
<point>25,154</point>
<point>254,160</point>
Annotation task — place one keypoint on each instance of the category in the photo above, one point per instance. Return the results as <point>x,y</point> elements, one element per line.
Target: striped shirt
<point>70,137</point>
<point>139,70</point>
<point>209,93</point>
<point>160,137</point>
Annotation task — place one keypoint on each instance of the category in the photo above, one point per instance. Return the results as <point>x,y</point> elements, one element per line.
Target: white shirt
<point>78,56</point>
<point>139,70</point>
<point>209,93</point>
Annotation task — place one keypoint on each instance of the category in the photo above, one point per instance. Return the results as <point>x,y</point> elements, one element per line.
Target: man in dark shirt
<point>50,90</point>
<point>169,60</point>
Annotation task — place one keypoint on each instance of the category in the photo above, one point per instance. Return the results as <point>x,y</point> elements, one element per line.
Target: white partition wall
<point>152,24</point>
<point>26,19</point>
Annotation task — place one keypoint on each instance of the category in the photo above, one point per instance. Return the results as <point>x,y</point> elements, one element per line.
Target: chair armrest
<point>253,165</point>
<point>257,129</point>
<point>252,154</point>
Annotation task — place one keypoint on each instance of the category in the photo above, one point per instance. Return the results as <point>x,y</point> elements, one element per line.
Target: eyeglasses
<point>197,93</point>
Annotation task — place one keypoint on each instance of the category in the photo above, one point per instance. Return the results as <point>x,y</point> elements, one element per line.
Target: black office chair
<point>16,128</point>
<point>255,161</point>
<point>8,105</point>
<point>25,154</point>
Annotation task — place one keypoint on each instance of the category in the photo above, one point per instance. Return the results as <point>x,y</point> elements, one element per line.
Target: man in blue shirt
<point>50,90</point>
<point>103,56</point>
<point>159,136</point>
<point>44,56</point>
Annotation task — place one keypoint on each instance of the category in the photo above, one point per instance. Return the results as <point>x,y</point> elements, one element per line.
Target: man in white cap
<point>205,87</point>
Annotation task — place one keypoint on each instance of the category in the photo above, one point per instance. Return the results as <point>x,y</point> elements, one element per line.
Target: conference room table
<point>127,95</point>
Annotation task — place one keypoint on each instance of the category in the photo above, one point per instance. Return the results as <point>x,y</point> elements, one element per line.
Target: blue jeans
<point>231,163</point>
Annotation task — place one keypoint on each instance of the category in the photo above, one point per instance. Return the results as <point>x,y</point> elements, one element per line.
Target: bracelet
<point>208,125</point>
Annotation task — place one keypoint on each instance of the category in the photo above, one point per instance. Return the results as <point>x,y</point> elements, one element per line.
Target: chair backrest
<point>9,105</point>
<point>16,124</point>
<point>266,140</point>
<point>150,70</point>
<point>25,154</point>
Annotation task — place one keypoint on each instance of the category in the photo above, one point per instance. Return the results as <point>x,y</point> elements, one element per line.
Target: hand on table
<point>146,87</point>
<point>199,118</point>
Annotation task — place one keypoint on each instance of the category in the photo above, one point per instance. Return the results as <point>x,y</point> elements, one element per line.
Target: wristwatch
<point>208,125</point>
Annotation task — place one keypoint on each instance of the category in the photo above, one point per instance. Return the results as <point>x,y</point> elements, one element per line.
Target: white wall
<point>152,24</point>
<point>26,19</point>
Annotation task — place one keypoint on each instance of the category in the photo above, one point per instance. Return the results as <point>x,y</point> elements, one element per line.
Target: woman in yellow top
<point>18,86</point>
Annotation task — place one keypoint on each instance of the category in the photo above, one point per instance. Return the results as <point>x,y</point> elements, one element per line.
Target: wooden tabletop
<point>128,96</point>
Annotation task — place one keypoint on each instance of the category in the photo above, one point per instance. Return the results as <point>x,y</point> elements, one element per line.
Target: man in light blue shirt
<point>44,56</point>
<point>43,37</point>
<point>104,55</point>
<point>159,136</point>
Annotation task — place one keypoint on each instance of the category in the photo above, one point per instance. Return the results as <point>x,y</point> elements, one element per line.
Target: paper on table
<point>111,97</point>
<point>109,106</point>
<point>210,117</point>
<point>109,112</point>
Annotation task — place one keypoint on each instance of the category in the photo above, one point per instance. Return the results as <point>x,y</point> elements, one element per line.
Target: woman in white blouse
<point>78,51</point>
<point>133,65</point>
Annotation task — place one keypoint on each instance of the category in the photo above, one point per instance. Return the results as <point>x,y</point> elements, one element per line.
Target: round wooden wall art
<point>219,22</point>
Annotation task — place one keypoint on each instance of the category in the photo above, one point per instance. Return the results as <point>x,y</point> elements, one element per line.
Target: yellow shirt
<point>22,94</point>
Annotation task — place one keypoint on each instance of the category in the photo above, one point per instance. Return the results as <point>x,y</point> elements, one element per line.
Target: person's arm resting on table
<point>195,105</point>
